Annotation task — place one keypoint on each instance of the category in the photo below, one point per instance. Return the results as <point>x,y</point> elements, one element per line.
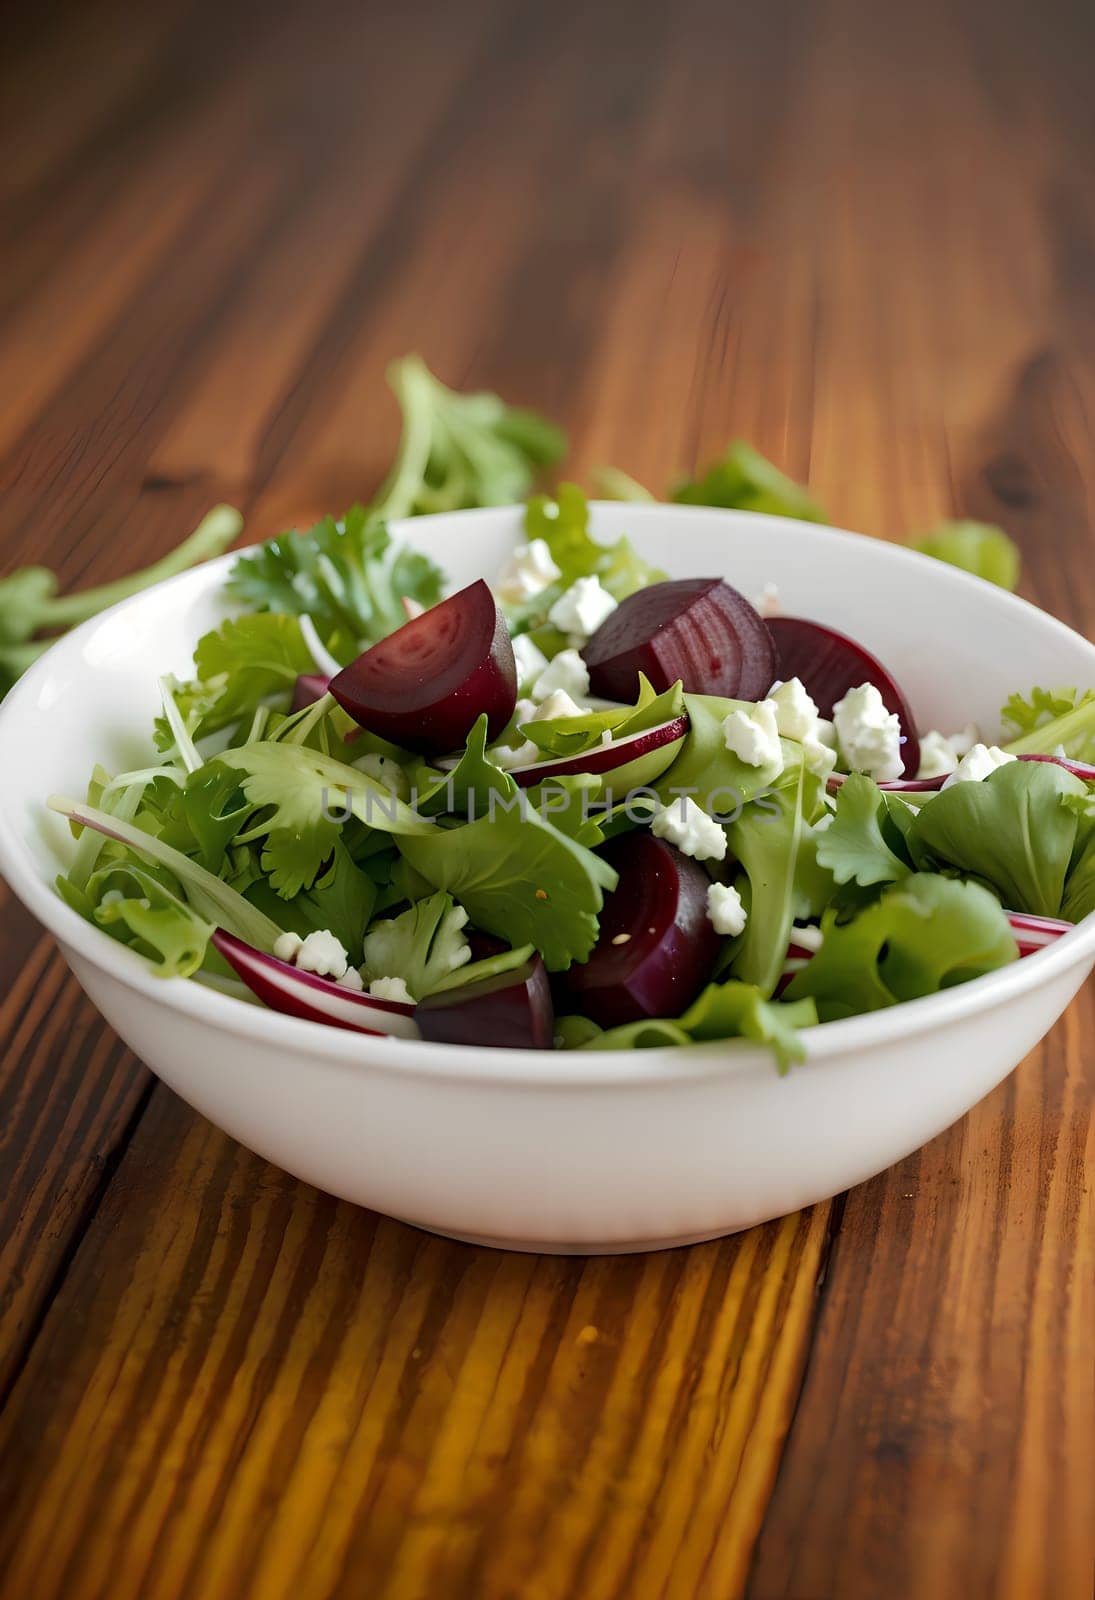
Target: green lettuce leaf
<point>1010,831</point>
<point>923,934</point>
<point>1079,896</point>
<point>723,1011</point>
<point>976,547</point>
<point>854,847</point>
<point>768,839</point>
<point>344,573</point>
<point>140,906</point>
<point>744,480</point>
<point>519,878</point>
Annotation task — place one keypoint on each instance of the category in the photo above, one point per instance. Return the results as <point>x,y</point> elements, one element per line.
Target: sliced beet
<point>309,687</point>
<point>512,1011</point>
<point>695,630</point>
<point>426,684</point>
<point>829,664</point>
<point>657,947</point>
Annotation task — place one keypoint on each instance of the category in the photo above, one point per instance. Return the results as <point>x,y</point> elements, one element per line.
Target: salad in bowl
<point>574,804</point>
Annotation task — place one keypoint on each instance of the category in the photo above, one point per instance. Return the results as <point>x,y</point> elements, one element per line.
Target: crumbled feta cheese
<point>567,671</point>
<point>796,713</point>
<point>768,602</point>
<point>688,826</point>
<point>820,758</point>
<point>557,704</point>
<point>524,711</point>
<point>937,756</point>
<point>509,756</point>
<point>806,936</point>
<point>725,911</point>
<point>824,822</point>
<point>322,954</point>
<point>581,610</point>
<point>391,989</point>
<point>388,773</point>
<point>529,658</point>
<point>978,763</point>
<point>351,979</point>
<point>412,608</point>
<point>287,945</point>
<point>113,897</point>
<point>527,573</point>
<point>869,736</point>
<point>753,736</point>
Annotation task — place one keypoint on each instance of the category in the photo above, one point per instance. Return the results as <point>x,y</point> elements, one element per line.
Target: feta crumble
<point>796,713</point>
<point>527,573</point>
<point>806,936</point>
<point>868,735</point>
<point>530,660</point>
<point>388,773</point>
<point>978,764</point>
<point>753,736</point>
<point>568,672</point>
<point>351,979</point>
<point>725,911</point>
<point>937,756</point>
<point>391,989</point>
<point>688,826</point>
<point>557,704</point>
<point>767,602</point>
<point>581,610</point>
<point>319,952</point>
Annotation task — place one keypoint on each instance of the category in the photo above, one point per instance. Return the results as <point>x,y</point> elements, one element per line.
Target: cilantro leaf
<point>923,934</point>
<point>1010,831</point>
<point>239,665</point>
<point>853,847</point>
<point>1052,717</point>
<point>744,480</point>
<point>303,799</point>
<point>976,547</point>
<point>520,878</point>
<point>343,573</point>
<point>140,906</point>
<point>563,523</point>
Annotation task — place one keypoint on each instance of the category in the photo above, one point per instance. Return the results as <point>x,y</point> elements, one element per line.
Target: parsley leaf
<point>303,799</point>
<point>344,573</point>
<point>1052,717</point>
<point>424,945</point>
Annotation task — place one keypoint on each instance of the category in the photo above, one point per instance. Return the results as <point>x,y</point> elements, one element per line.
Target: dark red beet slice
<point>829,664</point>
<point>309,687</point>
<point>513,1011</point>
<point>425,685</point>
<point>657,947</point>
<point>697,630</point>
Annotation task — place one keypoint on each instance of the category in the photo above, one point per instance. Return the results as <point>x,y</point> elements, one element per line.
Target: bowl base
<point>551,1247</point>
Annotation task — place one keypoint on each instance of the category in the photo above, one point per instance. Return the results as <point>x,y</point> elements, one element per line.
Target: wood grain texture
<point>862,236</point>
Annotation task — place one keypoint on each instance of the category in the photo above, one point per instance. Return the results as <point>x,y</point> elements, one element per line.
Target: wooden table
<point>859,235</point>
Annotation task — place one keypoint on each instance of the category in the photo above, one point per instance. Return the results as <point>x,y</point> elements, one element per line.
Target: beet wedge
<point>697,631</point>
<point>426,684</point>
<point>510,1011</point>
<point>657,948</point>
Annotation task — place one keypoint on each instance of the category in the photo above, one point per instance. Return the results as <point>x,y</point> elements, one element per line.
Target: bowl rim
<point>669,1064</point>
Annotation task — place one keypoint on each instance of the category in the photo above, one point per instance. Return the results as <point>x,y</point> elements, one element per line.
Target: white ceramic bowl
<point>580,1152</point>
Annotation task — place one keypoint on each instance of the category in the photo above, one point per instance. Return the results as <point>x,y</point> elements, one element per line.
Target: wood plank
<point>273,1393</point>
